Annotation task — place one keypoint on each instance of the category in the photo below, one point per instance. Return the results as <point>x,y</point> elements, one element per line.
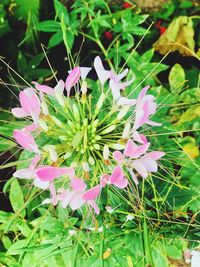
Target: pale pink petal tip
<point>44,88</point>
<point>78,184</point>
<point>118,156</point>
<point>92,193</point>
<point>26,141</point>
<point>72,78</point>
<point>49,173</point>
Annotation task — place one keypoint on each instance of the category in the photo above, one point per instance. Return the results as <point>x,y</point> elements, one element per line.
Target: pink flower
<point>131,150</point>
<point>116,178</point>
<point>26,141</point>
<point>145,107</point>
<point>30,105</point>
<point>30,173</point>
<point>77,197</point>
<point>115,84</point>
<point>49,173</point>
<point>72,79</point>
<point>147,163</point>
<point>59,88</point>
<point>90,196</point>
<point>135,158</point>
<point>74,76</point>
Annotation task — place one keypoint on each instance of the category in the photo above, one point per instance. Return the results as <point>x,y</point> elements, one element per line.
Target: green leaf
<point>70,38</point>
<point>21,63</point>
<point>15,248</point>
<point>55,39</point>
<point>147,56</point>
<point>48,26</point>
<point>16,198</point>
<point>174,252</point>
<point>6,144</point>
<point>176,77</point>
<point>35,62</point>
<point>61,9</point>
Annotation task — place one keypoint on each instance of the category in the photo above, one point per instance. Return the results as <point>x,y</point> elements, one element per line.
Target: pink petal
<point>140,168</point>
<point>116,175</point>
<point>29,102</point>
<point>78,184</point>
<point>140,119</point>
<point>150,164</point>
<point>93,204</point>
<point>34,162</point>
<point>155,155</point>
<point>104,179</point>
<point>143,92</point>
<point>134,177</point>
<point>19,112</point>
<point>121,183</point>
<point>30,128</point>
<point>72,79</point>
<point>76,201</point>
<point>26,141</point>
<point>102,74</point>
<point>49,173</point>
<point>118,156</point>
<point>130,148</point>
<point>44,88</point>
<point>140,138</point>
<point>92,193</point>
<point>134,151</point>
<point>52,189</point>
<point>65,197</point>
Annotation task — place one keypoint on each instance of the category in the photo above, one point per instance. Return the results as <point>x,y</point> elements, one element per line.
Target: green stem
<point>147,245</point>
<point>102,248</point>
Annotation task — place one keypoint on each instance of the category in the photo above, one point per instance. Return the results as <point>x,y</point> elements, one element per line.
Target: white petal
<point>102,74</point>
<point>38,183</point>
<point>122,74</point>
<point>84,72</point>
<point>124,101</point>
<point>19,113</point>
<point>115,90</point>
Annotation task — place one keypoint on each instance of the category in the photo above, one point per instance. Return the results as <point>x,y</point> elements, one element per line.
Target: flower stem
<point>147,246</point>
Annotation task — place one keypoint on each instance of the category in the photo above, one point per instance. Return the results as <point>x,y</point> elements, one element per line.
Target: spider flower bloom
<point>72,136</point>
<point>145,107</point>
<point>30,105</point>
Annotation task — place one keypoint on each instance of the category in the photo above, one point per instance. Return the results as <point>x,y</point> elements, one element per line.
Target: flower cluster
<point>81,142</point>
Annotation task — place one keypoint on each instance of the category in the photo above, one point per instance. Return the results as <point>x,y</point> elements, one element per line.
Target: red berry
<point>108,35</point>
<point>126,5</point>
<point>162,30</point>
